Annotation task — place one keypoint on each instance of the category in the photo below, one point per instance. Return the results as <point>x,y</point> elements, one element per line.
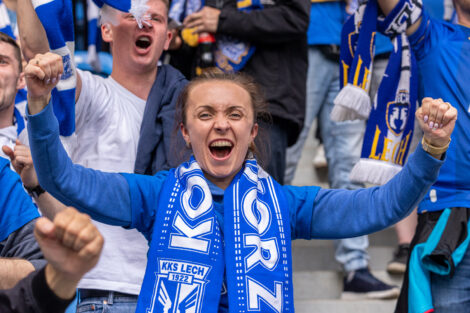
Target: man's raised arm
<point>33,36</point>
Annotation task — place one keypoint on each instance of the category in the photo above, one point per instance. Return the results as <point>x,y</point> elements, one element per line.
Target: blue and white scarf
<point>94,39</point>
<point>5,24</point>
<point>391,118</point>
<point>231,54</point>
<point>137,8</point>
<point>56,17</point>
<point>188,254</point>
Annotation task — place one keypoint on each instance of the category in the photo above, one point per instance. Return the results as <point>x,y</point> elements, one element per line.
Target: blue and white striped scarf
<point>188,254</point>
<point>391,118</point>
<point>56,17</point>
<point>5,24</point>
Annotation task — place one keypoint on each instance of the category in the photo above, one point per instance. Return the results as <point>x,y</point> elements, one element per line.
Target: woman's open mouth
<point>221,149</point>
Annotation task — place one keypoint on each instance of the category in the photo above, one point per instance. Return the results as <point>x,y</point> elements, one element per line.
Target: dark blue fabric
<point>159,142</point>
<point>16,207</point>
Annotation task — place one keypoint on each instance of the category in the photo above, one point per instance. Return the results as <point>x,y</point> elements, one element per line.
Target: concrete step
<point>338,306</point>
<point>308,258</point>
<point>328,285</point>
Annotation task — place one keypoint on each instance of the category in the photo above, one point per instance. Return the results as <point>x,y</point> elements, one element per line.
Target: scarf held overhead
<point>391,117</point>
<point>5,24</point>
<point>56,16</point>
<point>187,259</point>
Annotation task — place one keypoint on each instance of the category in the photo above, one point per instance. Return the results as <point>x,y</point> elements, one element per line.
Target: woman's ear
<point>254,131</point>
<point>185,134</point>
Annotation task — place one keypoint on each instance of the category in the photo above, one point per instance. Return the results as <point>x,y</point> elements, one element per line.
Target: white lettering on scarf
<point>259,292</point>
<point>189,237</point>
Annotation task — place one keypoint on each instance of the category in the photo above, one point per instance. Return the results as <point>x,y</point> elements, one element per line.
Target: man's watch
<point>34,192</point>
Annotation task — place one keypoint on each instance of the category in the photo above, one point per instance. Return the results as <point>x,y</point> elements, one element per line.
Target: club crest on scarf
<point>180,286</point>
<point>397,113</point>
<point>187,259</point>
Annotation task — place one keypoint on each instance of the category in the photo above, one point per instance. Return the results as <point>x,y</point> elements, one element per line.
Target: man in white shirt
<point>108,116</point>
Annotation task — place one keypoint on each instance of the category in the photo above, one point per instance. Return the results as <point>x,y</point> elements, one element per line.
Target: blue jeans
<point>452,294</point>
<point>113,303</point>
<point>342,141</point>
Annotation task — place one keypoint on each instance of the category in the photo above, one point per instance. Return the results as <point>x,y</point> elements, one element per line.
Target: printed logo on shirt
<point>179,287</point>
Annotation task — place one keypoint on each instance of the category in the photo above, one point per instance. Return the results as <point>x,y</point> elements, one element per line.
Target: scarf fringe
<point>351,103</point>
<point>138,10</point>
<point>373,171</point>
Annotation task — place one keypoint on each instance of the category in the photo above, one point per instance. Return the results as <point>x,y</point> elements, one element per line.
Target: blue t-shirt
<point>436,9</point>
<point>443,54</point>
<point>326,21</point>
<point>16,207</point>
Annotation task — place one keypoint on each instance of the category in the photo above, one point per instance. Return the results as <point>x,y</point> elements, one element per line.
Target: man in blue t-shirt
<point>443,54</point>
<point>342,141</point>
<point>19,251</point>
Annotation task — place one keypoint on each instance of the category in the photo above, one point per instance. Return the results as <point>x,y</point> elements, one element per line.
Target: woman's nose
<point>221,124</point>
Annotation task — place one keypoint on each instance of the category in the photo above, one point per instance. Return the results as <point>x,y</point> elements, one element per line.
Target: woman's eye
<point>235,115</point>
<point>204,116</point>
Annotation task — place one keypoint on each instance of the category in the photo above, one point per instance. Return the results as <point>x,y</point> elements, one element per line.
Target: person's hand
<point>437,120</point>
<point>42,74</point>
<point>205,20</point>
<point>22,162</point>
<point>72,246</point>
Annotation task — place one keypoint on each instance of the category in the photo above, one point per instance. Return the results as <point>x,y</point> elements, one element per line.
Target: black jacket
<point>280,61</point>
<point>32,295</point>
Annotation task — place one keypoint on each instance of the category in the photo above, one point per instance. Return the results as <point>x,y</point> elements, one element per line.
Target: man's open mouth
<point>143,42</point>
<point>221,148</point>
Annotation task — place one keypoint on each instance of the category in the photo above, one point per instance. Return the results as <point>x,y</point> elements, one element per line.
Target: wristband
<point>429,148</point>
<point>34,192</point>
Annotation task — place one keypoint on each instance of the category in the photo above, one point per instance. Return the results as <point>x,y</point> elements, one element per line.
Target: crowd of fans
<point>183,155</point>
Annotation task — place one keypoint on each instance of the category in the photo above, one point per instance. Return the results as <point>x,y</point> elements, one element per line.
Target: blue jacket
<point>157,131</point>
